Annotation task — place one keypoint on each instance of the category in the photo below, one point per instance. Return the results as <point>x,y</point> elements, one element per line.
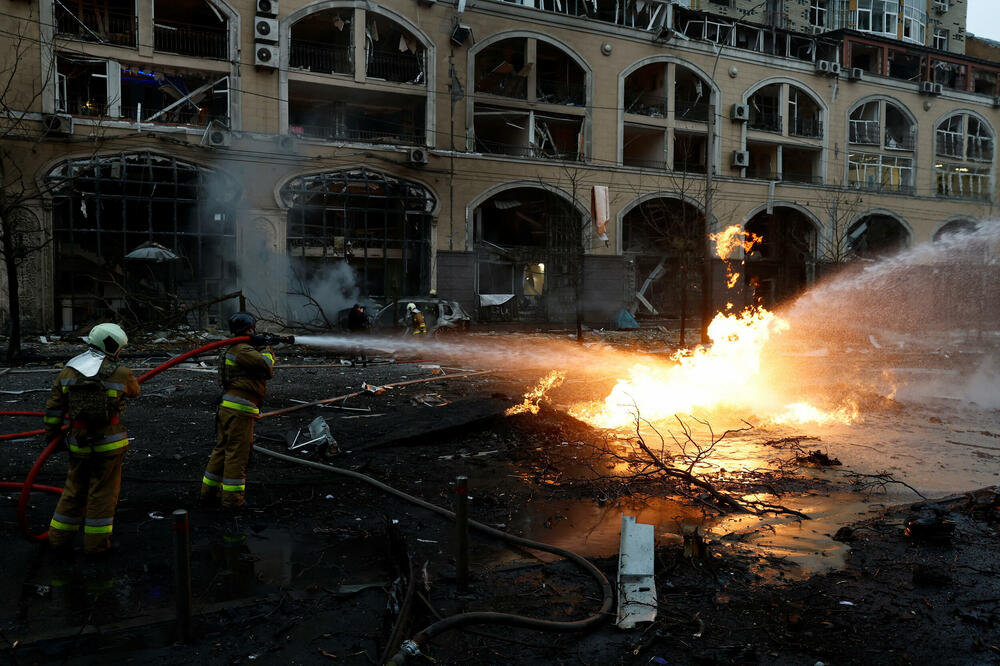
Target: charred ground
<point>306,575</point>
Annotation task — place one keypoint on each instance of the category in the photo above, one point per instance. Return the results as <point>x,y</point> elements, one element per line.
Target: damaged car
<point>442,316</point>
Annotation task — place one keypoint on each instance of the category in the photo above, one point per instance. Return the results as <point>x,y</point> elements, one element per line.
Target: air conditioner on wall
<point>741,158</point>
<point>930,88</point>
<point>741,112</point>
<point>823,66</point>
<point>265,29</point>
<point>267,7</point>
<point>855,74</point>
<point>219,138</point>
<point>57,125</point>
<point>834,69</point>
<point>265,55</point>
<point>417,156</point>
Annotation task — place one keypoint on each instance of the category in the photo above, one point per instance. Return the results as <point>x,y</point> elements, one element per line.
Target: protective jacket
<point>243,373</point>
<point>92,392</point>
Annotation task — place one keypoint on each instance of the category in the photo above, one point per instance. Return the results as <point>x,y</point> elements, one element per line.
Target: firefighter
<point>91,390</point>
<point>415,320</point>
<point>244,370</point>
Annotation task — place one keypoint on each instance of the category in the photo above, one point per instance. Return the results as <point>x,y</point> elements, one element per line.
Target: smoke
<point>317,293</point>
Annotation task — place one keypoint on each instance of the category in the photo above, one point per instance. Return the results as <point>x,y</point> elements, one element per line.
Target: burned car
<point>440,315</point>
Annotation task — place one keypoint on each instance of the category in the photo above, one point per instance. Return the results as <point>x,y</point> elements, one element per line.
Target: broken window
<point>867,57</point>
<point>323,42</point>
<point>906,65</point>
<point>865,125</point>
<point>765,109</point>
<point>763,161</point>
<point>81,85</point>
<point>190,27</point>
<point>692,96</point>
<point>804,119</point>
<point>880,172</point>
<point>949,74</point>
<point>317,111</point>
<point>646,91</point>
<point>105,209</point>
<point>174,96</point>
<point>103,21</point>
<point>644,147</point>
<point>550,76</point>
<point>914,24</point>
<point>392,53</point>
<point>964,149</point>
<point>689,152</point>
<point>378,224</point>
<point>800,165</point>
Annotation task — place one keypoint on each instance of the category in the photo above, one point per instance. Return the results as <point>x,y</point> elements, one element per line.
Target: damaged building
<point>531,159</point>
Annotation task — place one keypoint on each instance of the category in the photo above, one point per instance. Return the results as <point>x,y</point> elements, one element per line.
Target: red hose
<point>28,433</point>
<point>28,484</point>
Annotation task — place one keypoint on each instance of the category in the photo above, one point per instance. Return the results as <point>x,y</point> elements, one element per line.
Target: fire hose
<point>411,647</point>
<point>29,482</point>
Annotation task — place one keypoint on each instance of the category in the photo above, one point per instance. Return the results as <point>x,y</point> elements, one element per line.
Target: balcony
<point>691,110</point>
<point>560,92</point>
<point>645,104</point>
<point>400,67</point>
<point>808,128</point>
<point>321,57</point>
<point>104,27</point>
<point>191,40</point>
<point>865,132</point>
<point>765,120</point>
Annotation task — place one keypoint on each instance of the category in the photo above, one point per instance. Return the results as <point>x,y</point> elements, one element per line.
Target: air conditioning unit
<point>741,112</point>
<point>741,158</point>
<point>219,138</point>
<point>265,55</point>
<point>417,156</point>
<point>938,88</point>
<point>267,7</point>
<point>58,125</point>
<point>286,143</point>
<point>265,29</point>
<point>930,88</point>
<point>818,29</point>
<point>823,66</point>
<point>855,74</point>
<point>834,69</point>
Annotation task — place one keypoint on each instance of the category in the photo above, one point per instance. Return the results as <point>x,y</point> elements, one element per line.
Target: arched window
<point>139,236</point>
<point>665,117</point>
<point>338,108</point>
<point>784,134</point>
<point>515,79</point>
<point>882,136</point>
<point>369,228</point>
<point>875,235</point>
<point>963,157</point>
<point>783,263</point>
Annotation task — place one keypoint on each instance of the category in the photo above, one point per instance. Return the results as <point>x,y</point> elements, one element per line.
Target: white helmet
<point>109,338</point>
<point>410,307</point>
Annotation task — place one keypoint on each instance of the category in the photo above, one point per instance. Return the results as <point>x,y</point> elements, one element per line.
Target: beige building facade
<point>520,158</point>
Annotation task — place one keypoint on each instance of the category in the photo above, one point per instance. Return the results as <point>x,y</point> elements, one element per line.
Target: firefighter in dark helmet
<point>244,370</point>
<point>91,391</point>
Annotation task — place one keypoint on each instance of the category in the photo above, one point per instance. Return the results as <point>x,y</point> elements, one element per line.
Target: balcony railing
<point>321,57</point>
<point>356,135</point>
<point>795,177</point>
<point>691,110</point>
<point>645,104</point>
<point>809,128</point>
<point>92,26</point>
<point>872,185</point>
<point>401,67</point>
<point>867,132</point>
<point>656,165</point>
<point>184,114</point>
<point>193,40</point>
<point>560,92</point>
<point>899,141</point>
<point>766,121</point>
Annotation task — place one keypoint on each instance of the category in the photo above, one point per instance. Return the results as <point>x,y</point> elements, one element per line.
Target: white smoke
<point>317,294</point>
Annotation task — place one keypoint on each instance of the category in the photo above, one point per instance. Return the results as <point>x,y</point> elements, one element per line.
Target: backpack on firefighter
<point>89,400</point>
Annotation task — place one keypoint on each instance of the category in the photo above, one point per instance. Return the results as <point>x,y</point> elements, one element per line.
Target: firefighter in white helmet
<point>91,392</point>
<point>415,323</point>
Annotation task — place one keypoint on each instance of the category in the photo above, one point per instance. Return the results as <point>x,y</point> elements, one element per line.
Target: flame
<point>534,397</point>
<point>732,237</point>
<point>723,376</point>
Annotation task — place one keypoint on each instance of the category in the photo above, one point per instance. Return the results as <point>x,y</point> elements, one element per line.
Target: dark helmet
<point>241,322</point>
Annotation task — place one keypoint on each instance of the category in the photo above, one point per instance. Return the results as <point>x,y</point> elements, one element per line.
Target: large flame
<point>723,376</point>
<point>534,397</point>
<point>726,243</point>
